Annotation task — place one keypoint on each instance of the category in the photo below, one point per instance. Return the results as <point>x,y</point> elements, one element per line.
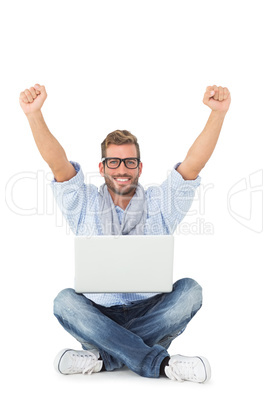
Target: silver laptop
<point>124,264</point>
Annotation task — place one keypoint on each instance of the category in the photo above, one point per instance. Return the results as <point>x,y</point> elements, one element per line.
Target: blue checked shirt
<point>167,205</point>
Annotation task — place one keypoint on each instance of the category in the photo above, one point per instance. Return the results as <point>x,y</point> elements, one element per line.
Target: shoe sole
<point>207,368</point>
<point>58,359</point>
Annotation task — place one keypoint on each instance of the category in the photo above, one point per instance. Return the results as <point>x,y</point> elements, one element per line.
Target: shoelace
<point>84,363</point>
<point>182,371</point>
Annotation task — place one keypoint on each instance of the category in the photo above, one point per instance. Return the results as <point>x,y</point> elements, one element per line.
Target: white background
<point>141,66</point>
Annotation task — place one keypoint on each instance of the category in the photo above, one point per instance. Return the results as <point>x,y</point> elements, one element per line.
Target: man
<point>132,329</point>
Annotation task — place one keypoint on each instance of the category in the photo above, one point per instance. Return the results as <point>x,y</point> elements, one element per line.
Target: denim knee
<point>187,284</point>
<point>62,299</point>
<point>192,288</point>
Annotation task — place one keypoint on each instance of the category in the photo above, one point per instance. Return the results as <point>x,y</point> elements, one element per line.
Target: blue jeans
<point>136,335</point>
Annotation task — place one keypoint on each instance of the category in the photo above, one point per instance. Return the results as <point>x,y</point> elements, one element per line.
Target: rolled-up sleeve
<point>75,198</point>
<point>173,198</point>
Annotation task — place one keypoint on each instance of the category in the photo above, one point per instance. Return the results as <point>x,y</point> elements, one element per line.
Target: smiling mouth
<point>122,179</point>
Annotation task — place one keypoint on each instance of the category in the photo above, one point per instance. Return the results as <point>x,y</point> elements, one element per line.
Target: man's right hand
<point>32,99</point>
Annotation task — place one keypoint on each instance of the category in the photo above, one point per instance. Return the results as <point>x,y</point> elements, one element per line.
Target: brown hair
<point>119,137</point>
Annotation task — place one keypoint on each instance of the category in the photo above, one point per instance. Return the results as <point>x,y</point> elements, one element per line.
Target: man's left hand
<point>217,98</point>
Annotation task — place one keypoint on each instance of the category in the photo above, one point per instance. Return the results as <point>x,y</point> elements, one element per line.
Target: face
<point>121,181</point>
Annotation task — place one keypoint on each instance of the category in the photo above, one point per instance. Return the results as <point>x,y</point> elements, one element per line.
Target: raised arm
<point>31,101</point>
<point>218,99</point>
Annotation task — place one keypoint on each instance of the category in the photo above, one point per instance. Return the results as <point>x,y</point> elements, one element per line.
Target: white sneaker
<point>69,361</point>
<point>182,368</point>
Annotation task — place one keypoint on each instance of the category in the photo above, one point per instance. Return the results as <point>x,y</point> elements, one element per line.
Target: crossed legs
<point>136,335</point>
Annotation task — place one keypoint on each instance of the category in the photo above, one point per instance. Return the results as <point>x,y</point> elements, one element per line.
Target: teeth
<point>121,179</point>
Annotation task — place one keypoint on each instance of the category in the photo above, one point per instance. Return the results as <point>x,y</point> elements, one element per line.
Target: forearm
<point>48,146</point>
<point>204,145</point>
<point>218,99</point>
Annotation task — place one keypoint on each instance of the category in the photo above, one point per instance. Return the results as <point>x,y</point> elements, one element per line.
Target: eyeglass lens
<point>114,163</point>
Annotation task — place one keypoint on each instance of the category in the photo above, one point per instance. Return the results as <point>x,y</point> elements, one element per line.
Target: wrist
<point>219,113</point>
<point>36,115</point>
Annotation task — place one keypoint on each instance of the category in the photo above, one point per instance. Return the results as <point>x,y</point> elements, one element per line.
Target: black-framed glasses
<point>114,163</point>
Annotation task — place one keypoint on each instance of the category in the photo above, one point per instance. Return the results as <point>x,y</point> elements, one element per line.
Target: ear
<point>101,168</point>
<point>140,168</point>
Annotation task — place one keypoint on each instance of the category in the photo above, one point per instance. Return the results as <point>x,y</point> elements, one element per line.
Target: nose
<point>122,170</point>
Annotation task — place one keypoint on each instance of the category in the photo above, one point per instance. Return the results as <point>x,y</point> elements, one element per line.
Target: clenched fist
<point>217,98</point>
<point>32,99</point>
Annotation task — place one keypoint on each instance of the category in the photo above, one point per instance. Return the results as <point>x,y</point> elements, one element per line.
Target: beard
<point>122,188</point>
